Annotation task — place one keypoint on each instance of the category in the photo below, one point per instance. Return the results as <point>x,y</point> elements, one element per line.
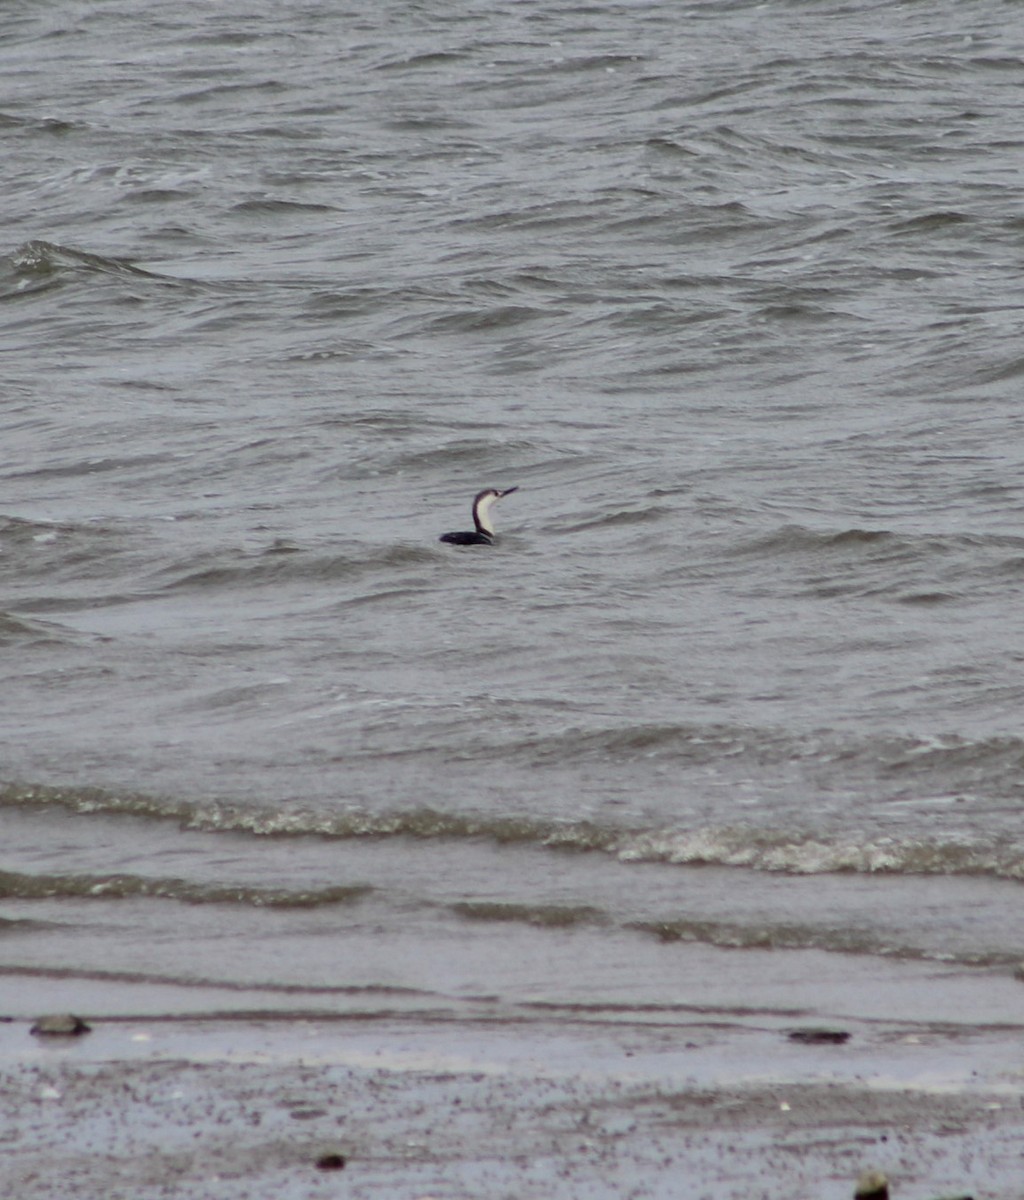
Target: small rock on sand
<point>819,1037</point>
<point>60,1025</point>
<point>872,1185</point>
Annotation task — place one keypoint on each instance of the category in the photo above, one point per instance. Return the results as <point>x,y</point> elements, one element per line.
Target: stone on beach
<point>60,1025</point>
<point>872,1185</point>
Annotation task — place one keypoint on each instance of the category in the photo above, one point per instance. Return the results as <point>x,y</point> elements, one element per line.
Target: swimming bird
<point>483,535</point>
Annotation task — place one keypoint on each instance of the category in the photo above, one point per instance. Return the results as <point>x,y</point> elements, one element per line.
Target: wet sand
<point>245,1106</point>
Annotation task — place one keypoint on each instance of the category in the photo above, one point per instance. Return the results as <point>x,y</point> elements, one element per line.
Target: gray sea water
<point>731,713</point>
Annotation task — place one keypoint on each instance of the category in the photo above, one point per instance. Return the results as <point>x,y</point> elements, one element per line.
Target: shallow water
<point>731,292</point>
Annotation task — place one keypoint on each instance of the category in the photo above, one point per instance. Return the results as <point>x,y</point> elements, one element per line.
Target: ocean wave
<point>39,265</point>
<point>393,991</point>
<point>19,886</point>
<point>16,630</point>
<point>20,531</point>
<point>767,935</point>
<point>280,562</point>
<point>793,853</point>
<point>905,567</point>
<point>622,516</point>
<point>738,845</point>
<point>801,539</point>
<point>542,916</point>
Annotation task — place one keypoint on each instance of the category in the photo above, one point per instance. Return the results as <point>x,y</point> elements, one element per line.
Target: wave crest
<point>744,846</point>
<point>18,886</point>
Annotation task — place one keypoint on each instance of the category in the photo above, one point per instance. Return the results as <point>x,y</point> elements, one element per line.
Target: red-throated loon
<point>484,532</point>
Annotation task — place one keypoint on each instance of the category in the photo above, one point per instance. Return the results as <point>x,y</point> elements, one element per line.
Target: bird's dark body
<point>467,538</point>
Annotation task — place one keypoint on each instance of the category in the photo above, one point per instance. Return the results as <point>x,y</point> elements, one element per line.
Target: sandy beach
<point>219,1107</point>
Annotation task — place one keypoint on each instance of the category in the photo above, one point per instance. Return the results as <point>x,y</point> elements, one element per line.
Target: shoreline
<point>231,1107</point>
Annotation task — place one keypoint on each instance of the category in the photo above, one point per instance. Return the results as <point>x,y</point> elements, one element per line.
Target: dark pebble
<point>60,1025</point>
<point>819,1037</point>
<point>872,1185</point>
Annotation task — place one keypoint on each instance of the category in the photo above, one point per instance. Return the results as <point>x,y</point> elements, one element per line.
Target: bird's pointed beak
<point>509,491</point>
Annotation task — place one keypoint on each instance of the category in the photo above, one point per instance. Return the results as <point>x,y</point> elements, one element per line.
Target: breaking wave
<point>739,845</point>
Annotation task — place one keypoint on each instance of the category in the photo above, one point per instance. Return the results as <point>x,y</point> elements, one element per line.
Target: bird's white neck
<point>482,513</point>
